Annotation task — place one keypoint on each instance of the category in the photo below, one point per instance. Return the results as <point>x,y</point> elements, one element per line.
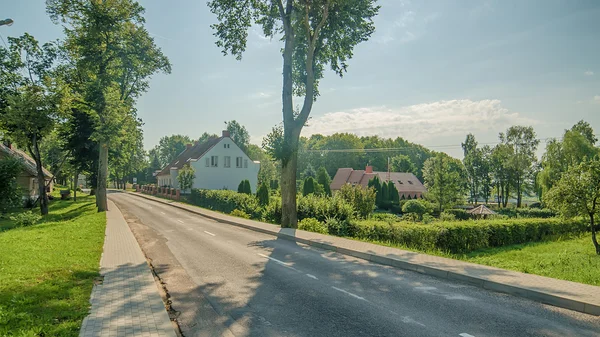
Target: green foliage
<point>263,194</point>
<point>272,212</point>
<point>226,201</point>
<point>338,227</point>
<point>447,216</point>
<point>312,225</point>
<point>403,163</point>
<point>578,193</point>
<point>169,147</point>
<point>322,208</point>
<point>427,219</point>
<point>238,134</point>
<point>414,206</point>
<point>459,214</point>
<point>324,180</point>
<point>240,214</point>
<point>309,172</point>
<point>466,236</point>
<point>375,183</point>
<point>384,200</point>
<point>394,197</point>
<point>10,196</point>
<point>26,218</point>
<point>513,212</point>
<point>309,186</point>
<point>186,177</point>
<point>388,217</point>
<point>244,187</point>
<point>443,178</point>
<point>361,199</point>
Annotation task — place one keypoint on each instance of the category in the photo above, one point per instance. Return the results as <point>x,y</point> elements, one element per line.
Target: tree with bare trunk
<point>315,34</point>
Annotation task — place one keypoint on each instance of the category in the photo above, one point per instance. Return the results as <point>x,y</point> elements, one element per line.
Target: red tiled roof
<point>186,155</point>
<point>406,183</point>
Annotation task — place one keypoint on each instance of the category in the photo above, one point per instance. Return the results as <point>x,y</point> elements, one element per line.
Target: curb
<point>289,234</point>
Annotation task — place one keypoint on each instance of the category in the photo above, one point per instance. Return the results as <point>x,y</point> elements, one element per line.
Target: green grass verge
<point>47,270</point>
<point>571,259</point>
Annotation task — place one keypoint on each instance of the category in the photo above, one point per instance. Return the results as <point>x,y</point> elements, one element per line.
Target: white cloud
<point>420,122</point>
<point>589,73</point>
<point>260,95</point>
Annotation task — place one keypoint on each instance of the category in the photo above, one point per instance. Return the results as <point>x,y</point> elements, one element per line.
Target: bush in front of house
<point>26,218</point>
<point>226,201</point>
<point>321,208</point>
<point>10,196</point>
<point>263,194</point>
<point>312,225</point>
<point>240,214</point>
<point>459,214</point>
<point>414,206</point>
<point>361,199</point>
<point>466,236</point>
<point>511,212</point>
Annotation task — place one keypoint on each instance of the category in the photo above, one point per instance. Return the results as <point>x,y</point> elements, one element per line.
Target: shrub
<point>414,206</point>
<point>427,219</point>
<point>26,218</point>
<point>445,216</point>
<point>412,217</point>
<point>309,186</point>
<point>240,214</point>
<point>9,191</point>
<point>338,227</point>
<point>362,199</point>
<point>321,208</point>
<point>272,213</point>
<point>459,214</point>
<point>225,201</point>
<point>263,195</point>
<point>244,187</point>
<point>312,225</point>
<point>385,217</point>
<point>466,236</point>
<point>543,213</point>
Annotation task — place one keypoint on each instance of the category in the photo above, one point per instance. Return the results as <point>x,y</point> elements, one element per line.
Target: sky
<point>433,71</point>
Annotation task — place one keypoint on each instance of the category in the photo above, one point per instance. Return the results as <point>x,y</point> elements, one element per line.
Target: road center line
<point>464,334</point>
<point>285,264</point>
<point>312,276</point>
<point>209,233</point>
<point>348,293</point>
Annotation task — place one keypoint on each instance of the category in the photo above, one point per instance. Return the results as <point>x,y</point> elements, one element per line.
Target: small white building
<point>218,164</point>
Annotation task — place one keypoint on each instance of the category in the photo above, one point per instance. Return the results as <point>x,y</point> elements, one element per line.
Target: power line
<point>405,149</point>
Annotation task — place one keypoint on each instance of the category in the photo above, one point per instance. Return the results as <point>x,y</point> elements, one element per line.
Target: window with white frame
<point>238,162</point>
<point>214,161</point>
<point>245,163</point>
<point>207,162</point>
<point>227,161</point>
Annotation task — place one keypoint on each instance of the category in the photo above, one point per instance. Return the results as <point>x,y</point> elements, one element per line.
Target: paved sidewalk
<point>565,294</point>
<point>127,303</point>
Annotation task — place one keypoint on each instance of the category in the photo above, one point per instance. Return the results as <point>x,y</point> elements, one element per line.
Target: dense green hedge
<point>543,213</point>
<point>465,236</point>
<point>226,201</point>
<point>459,214</point>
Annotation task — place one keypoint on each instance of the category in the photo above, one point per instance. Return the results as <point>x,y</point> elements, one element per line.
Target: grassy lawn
<point>571,259</point>
<point>47,270</point>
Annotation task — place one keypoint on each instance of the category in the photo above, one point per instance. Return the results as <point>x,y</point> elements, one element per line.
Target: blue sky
<point>433,72</point>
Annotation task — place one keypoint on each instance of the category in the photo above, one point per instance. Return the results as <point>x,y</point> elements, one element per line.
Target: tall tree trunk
<point>498,187</point>
<point>75,186</point>
<point>101,201</point>
<point>40,178</point>
<point>519,193</point>
<point>594,239</point>
<point>289,216</point>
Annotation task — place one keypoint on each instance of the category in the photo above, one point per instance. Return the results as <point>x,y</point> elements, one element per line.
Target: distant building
<point>407,184</point>
<point>218,164</point>
<point>27,180</point>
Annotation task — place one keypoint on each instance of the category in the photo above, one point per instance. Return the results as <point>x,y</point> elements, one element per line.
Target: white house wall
<point>221,177</point>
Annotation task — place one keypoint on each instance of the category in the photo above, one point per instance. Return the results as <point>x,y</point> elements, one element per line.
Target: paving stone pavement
<point>127,303</point>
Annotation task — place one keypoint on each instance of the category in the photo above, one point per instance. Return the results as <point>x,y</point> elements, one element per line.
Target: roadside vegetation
<point>48,268</point>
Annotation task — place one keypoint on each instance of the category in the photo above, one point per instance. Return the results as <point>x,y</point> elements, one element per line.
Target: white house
<point>218,164</point>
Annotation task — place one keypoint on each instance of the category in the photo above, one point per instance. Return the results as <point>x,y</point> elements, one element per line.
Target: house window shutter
<point>245,163</point>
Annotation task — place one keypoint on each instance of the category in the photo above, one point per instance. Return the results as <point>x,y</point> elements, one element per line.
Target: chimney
<point>369,169</point>
<point>226,133</point>
<point>188,146</point>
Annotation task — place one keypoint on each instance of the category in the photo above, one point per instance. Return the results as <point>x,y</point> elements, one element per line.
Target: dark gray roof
<point>28,162</point>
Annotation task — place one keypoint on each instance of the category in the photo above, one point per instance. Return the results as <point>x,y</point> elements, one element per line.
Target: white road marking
<point>409,320</point>
<point>348,293</point>
<point>285,264</point>
<point>209,233</point>
<point>179,221</point>
<point>163,213</point>
<point>312,276</point>
<point>464,334</point>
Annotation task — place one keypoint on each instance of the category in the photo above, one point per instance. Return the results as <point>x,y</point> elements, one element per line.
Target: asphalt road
<point>229,281</point>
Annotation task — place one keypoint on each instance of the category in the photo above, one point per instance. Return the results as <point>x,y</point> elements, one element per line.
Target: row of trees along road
<point>75,98</point>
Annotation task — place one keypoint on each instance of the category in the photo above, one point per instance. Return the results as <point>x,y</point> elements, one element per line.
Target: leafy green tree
<point>205,136</point>
<point>309,186</point>
<point>263,194</point>
<point>169,147</point>
<point>315,34</point>
<point>402,163</point>
<point>324,180</point>
<point>77,135</point>
<point>523,144</point>
<point>186,177</point>
<point>394,197</point>
<point>577,192</point>
<point>384,200</point>
<point>484,172</point>
<point>268,170</point>
<point>309,172</point>
<point>247,187</point>
<point>375,183</point>
<point>33,109</point>
<point>361,199</point>
<point>241,187</point>
<point>501,173</point>
<point>414,206</point>
<point>10,196</point>
<point>114,57</point>
<point>443,180</point>
<point>472,160</point>
<point>238,134</point>
<point>585,129</point>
